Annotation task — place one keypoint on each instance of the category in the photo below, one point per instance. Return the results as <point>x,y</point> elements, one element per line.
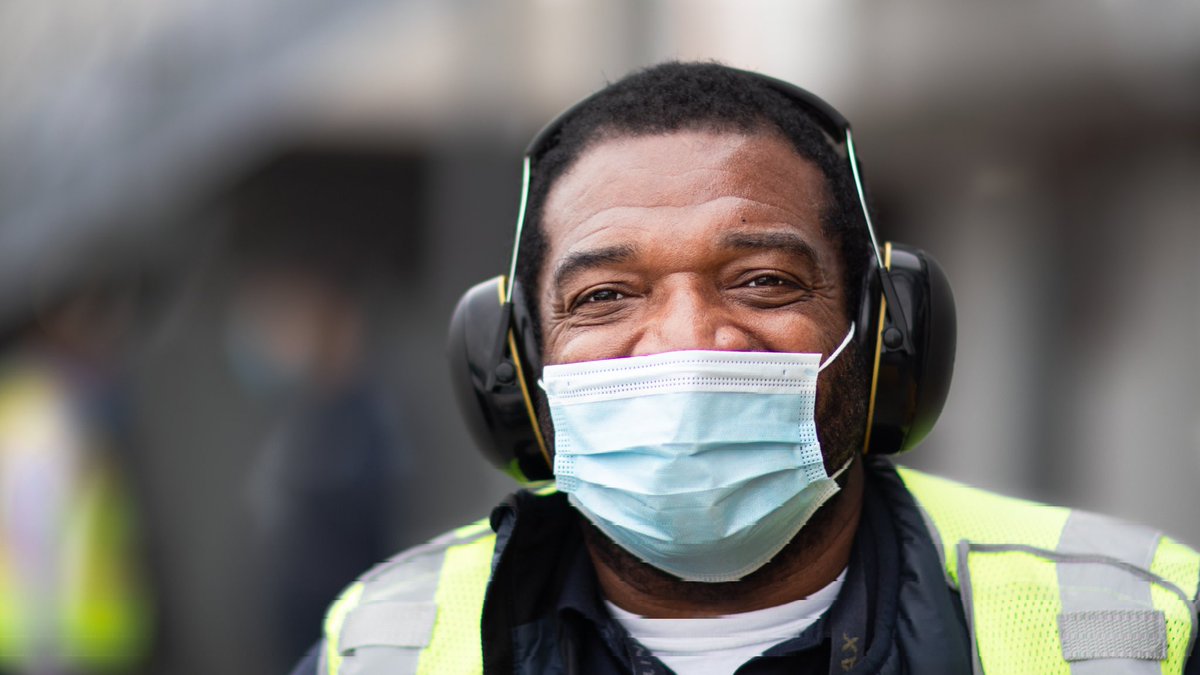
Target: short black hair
<point>678,96</point>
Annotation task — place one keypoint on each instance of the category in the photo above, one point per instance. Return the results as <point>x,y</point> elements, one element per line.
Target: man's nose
<point>689,315</point>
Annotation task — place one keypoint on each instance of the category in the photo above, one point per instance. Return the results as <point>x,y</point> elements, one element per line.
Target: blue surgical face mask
<point>704,464</point>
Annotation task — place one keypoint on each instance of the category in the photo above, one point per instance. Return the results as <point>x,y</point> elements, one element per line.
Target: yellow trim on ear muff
<point>537,428</point>
<point>512,349</point>
<point>887,264</point>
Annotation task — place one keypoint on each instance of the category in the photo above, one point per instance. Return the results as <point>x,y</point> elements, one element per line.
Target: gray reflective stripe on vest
<point>964,588</point>
<point>1088,588</point>
<point>388,624</point>
<point>409,585</point>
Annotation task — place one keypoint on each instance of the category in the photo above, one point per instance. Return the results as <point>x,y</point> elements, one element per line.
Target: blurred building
<point>1046,153</point>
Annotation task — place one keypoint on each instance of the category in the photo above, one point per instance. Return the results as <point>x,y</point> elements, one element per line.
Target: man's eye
<point>604,295</point>
<point>766,280</point>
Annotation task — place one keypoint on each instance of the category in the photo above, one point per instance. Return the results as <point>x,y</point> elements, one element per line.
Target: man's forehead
<point>748,177</point>
<point>765,155</point>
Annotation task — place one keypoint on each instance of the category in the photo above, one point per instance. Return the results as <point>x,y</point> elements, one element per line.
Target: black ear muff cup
<point>492,383</point>
<point>937,364</point>
<point>911,377</point>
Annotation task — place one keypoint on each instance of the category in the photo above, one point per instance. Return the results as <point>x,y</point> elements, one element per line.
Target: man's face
<point>699,240</point>
<point>689,240</point>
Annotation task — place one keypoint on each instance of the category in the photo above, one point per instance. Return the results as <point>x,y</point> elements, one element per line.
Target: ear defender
<point>907,313</point>
<point>491,378</point>
<point>911,346</point>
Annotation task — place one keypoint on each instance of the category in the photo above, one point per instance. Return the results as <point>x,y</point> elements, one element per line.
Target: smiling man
<point>699,240</point>
<point>705,348</point>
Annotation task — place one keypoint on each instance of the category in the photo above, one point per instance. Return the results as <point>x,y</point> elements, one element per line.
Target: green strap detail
<point>544,489</point>
<point>456,646</point>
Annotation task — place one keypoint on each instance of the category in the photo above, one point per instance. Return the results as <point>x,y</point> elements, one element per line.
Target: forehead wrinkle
<point>679,189</point>
<point>734,207</point>
<point>719,163</point>
<point>738,176</point>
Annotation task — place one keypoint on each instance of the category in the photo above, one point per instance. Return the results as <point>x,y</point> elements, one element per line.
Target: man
<point>722,340</point>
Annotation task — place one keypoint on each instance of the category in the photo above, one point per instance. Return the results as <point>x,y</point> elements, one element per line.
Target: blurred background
<point>232,233</point>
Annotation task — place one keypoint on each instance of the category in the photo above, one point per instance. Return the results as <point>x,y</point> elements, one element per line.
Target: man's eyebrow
<point>580,261</point>
<point>790,242</point>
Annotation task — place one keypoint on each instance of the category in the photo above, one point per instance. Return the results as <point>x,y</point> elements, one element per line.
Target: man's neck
<point>807,564</point>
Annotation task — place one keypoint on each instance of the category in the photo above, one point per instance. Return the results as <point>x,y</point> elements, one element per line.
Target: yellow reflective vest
<point>72,595</point>
<point>1045,590</point>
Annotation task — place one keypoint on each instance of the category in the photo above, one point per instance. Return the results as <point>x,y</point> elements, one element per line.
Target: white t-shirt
<point>719,645</point>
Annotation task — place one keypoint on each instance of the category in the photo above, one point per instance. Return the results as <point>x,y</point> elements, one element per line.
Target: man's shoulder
<point>417,558</point>
<point>1109,588</point>
<point>465,550</point>
<point>412,571</point>
<point>960,511</point>
<point>394,604</point>
<point>389,612</point>
<point>956,513</point>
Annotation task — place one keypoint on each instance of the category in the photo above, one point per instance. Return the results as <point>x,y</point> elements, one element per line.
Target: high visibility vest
<point>1045,590</point>
<point>97,615</point>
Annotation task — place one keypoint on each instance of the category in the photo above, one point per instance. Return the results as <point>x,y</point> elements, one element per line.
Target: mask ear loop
<point>837,352</point>
<point>838,474</point>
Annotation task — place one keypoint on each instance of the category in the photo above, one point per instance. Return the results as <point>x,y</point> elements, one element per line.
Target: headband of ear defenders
<point>907,308</point>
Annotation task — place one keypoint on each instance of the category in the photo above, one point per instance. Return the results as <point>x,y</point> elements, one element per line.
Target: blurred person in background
<point>320,486</point>
<point>729,357</point>
<point>75,591</point>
